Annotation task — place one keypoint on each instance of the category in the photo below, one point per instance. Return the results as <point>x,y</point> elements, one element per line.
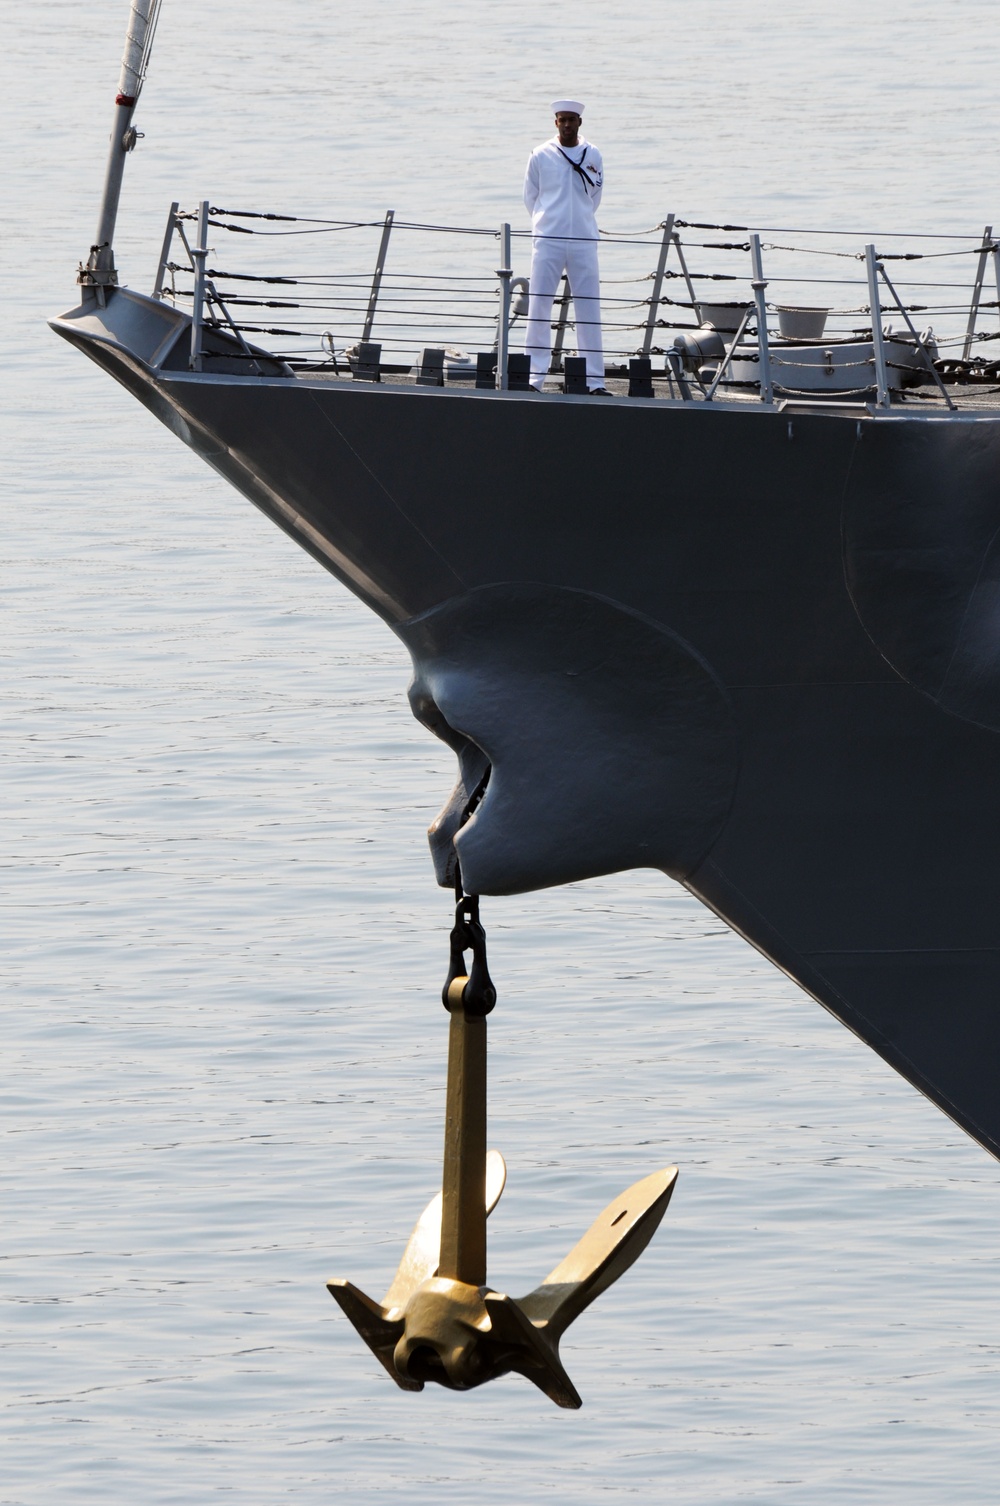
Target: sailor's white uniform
<point>562,190</point>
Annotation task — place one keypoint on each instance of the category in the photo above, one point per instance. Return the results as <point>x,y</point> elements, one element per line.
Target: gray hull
<point>757,649</point>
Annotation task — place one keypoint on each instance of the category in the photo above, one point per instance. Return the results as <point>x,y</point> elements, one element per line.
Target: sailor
<point>562,190</point>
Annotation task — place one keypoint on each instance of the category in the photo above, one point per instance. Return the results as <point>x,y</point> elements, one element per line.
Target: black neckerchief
<point>578,168</point>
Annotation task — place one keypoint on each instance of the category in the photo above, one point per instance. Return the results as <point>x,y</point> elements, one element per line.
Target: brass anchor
<point>439,1321</point>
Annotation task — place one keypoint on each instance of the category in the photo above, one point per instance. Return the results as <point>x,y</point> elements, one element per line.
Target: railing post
<point>199,255</point>
<point>918,346</point>
<point>168,240</point>
<point>687,275</point>
<point>763,348</point>
<point>654,301</point>
<point>562,299</point>
<point>213,299</point>
<point>882,395</point>
<point>383,248</point>
<point>729,352</point>
<point>977,291</point>
<point>505,273</point>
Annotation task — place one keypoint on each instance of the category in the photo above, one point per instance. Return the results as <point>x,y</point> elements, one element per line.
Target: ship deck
<point>799,316</point>
<point>967,397</point>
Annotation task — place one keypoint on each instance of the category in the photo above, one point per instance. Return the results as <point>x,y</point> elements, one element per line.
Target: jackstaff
<point>100,269</point>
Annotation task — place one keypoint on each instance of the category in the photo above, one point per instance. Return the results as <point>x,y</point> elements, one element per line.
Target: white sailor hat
<point>570,106</point>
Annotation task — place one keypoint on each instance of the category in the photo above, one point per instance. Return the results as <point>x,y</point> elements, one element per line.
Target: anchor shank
<point>463,1184</point>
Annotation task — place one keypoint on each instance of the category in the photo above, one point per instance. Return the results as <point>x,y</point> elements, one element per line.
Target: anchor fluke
<point>614,1241</point>
<point>380,1333</point>
<point>533,1325</point>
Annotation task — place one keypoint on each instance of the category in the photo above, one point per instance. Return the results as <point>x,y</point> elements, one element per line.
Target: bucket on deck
<point>801,323</point>
<point>725,317</point>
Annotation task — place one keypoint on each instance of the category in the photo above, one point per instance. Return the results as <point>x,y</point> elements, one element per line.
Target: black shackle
<point>471,988</point>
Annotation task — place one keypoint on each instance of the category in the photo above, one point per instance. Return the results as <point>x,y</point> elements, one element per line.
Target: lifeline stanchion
<point>919,345</point>
<point>559,340</point>
<point>383,251</point>
<point>883,397</point>
<point>759,286</point>
<point>199,255</point>
<point>440,1321</point>
<point>654,297</point>
<point>977,290</point>
<point>730,351</point>
<point>168,237</point>
<point>505,273</point>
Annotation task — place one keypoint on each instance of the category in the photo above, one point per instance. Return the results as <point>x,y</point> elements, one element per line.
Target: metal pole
<point>916,340</point>
<point>199,253</point>
<point>654,301</point>
<point>882,396</point>
<point>100,272</point>
<point>996,271</point>
<point>212,297</point>
<point>168,240</point>
<point>763,349</point>
<point>977,291</point>
<point>557,345</point>
<point>730,352</point>
<point>185,242</point>
<point>684,269</point>
<point>383,247</point>
<point>100,269</point>
<point>505,273</point>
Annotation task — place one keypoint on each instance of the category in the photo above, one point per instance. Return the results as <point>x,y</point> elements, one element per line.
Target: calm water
<point>222,947</point>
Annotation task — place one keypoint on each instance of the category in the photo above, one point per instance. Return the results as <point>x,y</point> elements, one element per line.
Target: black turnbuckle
<point>471,987</point>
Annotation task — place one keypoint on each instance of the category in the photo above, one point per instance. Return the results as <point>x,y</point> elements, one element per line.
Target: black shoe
<point>599,392</point>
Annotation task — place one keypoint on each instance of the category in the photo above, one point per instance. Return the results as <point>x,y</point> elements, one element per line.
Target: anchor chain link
<point>471,988</point>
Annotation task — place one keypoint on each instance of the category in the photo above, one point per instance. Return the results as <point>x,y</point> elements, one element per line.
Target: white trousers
<point>549,260</point>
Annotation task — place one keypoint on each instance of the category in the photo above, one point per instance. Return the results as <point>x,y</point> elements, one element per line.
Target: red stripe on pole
<point>125,99</point>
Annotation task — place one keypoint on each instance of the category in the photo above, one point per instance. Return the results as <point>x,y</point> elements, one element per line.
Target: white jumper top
<point>562,189</point>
